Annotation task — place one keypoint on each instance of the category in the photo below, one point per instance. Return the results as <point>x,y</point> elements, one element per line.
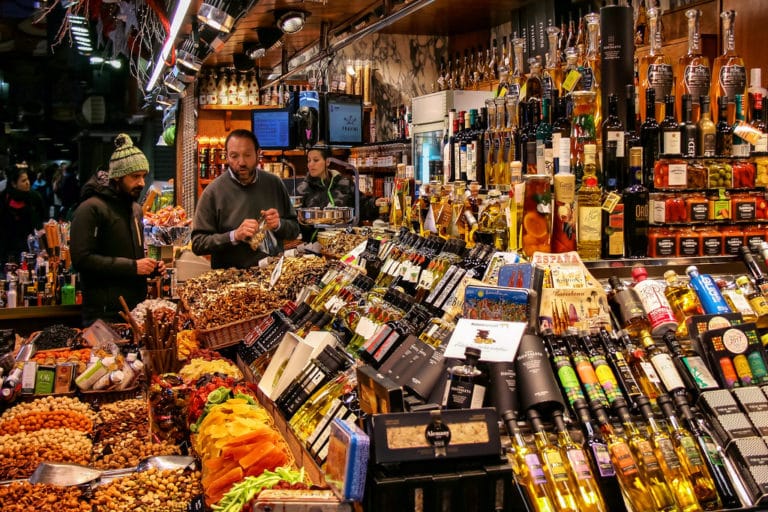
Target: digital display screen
<point>272,128</point>
<point>344,120</point>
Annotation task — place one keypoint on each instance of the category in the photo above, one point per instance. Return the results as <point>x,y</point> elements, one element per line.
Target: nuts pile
<point>341,244</point>
<point>49,403</point>
<point>223,296</point>
<point>38,420</point>
<point>152,490</point>
<point>121,417</point>
<point>23,497</point>
<point>127,450</point>
<point>21,453</point>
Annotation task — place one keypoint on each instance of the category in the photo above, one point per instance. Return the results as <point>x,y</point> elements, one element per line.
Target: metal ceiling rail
<point>407,10</point>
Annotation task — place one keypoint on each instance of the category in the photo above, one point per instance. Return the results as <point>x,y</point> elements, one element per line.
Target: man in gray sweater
<point>230,208</point>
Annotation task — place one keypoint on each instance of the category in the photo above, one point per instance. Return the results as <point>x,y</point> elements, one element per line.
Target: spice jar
<point>662,243</point>
<point>696,176</point>
<point>754,236</point>
<point>743,206</point>
<point>711,241</point>
<point>670,173</point>
<point>719,205</point>
<point>696,208</point>
<point>743,174</point>
<point>733,238</point>
<point>688,242</point>
<point>719,174</point>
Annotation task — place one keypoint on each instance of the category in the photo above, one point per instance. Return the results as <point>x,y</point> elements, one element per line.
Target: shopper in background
<point>21,213</point>
<point>68,191</point>
<point>107,237</point>
<point>231,208</point>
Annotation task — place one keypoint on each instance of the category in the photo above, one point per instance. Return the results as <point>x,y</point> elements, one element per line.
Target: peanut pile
<point>22,452</point>
<point>23,497</point>
<point>151,491</point>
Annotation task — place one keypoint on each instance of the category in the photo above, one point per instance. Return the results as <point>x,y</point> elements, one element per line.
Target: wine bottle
<point>561,364</point>
<point>663,364</point>
<point>723,130</point>
<point>628,307</point>
<point>690,366</point>
<point>643,370</point>
<point>688,133</point>
<point>707,130</point>
<point>636,215</point>
<point>650,137</point>
<point>586,372</point>
<point>670,130</point>
<point>613,130</point>
<point>621,370</point>
<point>603,371</point>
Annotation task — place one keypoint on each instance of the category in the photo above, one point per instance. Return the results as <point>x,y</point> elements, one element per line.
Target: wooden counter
<point>28,320</point>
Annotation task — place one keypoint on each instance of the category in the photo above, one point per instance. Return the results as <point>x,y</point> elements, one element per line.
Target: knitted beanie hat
<point>126,159</point>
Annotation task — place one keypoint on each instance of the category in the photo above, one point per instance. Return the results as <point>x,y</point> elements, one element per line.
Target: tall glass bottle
<point>663,364</point>
<point>628,307</point>
<point>655,303</point>
<point>723,130</point>
<point>627,381</point>
<point>489,151</point>
<point>650,137</point>
<point>740,146</point>
<point>670,130</point>
<point>683,300</point>
<point>655,69</point>
<point>761,280</point>
<point>528,468</point>
<point>553,76</point>
<point>690,458</point>
<point>561,136</point>
<point>636,213</point>
<point>728,71</point>
<point>544,138</point>
<point>589,202</point>
<point>693,73</point>
<point>675,472</point>
<point>534,86</point>
<point>590,78</point>
<point>707,131</point>
<point>517,77</point>
<point>688,132</point>
<point>613,130</point>
<point>758,122</point>
<point>710,453</point>
<point>642,368</point>
<point>555,466</point>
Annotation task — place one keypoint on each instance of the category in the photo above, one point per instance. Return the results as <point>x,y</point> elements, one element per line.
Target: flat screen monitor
<point>344,119</point>
<point>272,127</point>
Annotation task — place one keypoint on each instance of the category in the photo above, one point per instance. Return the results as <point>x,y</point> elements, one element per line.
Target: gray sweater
<point>225,204</point>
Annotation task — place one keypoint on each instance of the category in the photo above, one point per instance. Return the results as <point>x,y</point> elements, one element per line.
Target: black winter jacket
<point>107,238</point>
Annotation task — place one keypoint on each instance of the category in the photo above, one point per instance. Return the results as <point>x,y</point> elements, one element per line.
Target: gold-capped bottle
<point>683,300</point>
<point>555,467</point>
<point>693,73</point>
<point>756,300</point>
<point>589,208</point>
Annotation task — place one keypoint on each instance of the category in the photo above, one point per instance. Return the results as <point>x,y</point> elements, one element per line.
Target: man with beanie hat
<point>107,237</point>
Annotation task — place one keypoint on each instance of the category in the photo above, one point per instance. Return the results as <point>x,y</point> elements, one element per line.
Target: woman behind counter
<point>21,214</point>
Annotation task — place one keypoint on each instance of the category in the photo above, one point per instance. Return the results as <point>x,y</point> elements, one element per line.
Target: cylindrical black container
<point>503,383</point>
<point>535,379</point>
<point>616,56</point>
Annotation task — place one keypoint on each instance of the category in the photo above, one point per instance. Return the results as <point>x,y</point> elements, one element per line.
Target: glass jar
<point>696,208</point>
<point>670,173</point>
<point>675,209</point>
<point>688,242</point>
<point>761,170</point>
<point>743,174</point>
<point>536,215</point>
<point>583,129</point>
<point>711,241</point>
<point>733,238</point>
<point>696,176</point>
<point>761,206</point>
<point>754,235</point>
<point>719,174</point>
<point>743,206</point>
<point>662,243</point>
<point>719,205</point>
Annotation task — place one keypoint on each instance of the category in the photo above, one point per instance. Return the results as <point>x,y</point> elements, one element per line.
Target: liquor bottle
<point>723,130</point>
<point>631,137</point>
<point>628,307</point>
<point>594,442</point>
<point>759,123</point>
<point>465,388</point>
<point>561,136</point>
<point>528,468</point>
<point>728,71</point>
<point>756,299</point>
<point>636,215</point>
<point>670,130</point>
<point>492,62</point>
<point>655,70</point>
<point>613,130</point>
<point>642,368</point>
<point>688,133</point>
<point>675,473</point>
<point>642,450</point>
<point>553,77</point>
<point>709,451</point>
<point>650,137</point>
<point>737,300</point>
<point>458,125</point>
<point>500,170</point>
<point>590,382</point>
<point>603,371</point>
<point>447,151</point>
<point>663,364</point>
<point>690,366</point>
<point>588,205</point>
<point>707,130</point>
<point>543,137</point>
<point>740,148</point>
<point>612,244</point>
<point>656,305</point>
<point>555,466</point>
<point>621,370</point>
<point>534,87</point>
<point>571,72</point>
<point>561,364</point>
<point>517,78</point>
<point>464,144</point>
<point>707,291</point>
<point>588,493</point>
<point>590,71</point>
<point>693,73</point>
<point>761,280</point>
<point>683,301</point>
<point>633,486</point>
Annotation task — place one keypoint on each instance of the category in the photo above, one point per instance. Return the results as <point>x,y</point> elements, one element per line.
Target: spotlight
<point>187,57</point>
<point>291,22</point>
<point>215,17</point>
<point>173,83</point>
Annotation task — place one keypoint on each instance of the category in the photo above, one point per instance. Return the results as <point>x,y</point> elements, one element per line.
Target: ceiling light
<point>178,18</point>
<point>215,17</point>
<point>96,60</point>
<point>187,57</point>
<point>173,83</point>
<point>292,21</point>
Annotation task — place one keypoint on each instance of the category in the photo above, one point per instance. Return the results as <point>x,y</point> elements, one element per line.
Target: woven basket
<point>228,334</point>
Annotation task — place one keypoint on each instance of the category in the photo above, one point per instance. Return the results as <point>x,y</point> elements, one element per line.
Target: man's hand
<point>272,217</point>
<point>145,266</point>
<point>246,230</point>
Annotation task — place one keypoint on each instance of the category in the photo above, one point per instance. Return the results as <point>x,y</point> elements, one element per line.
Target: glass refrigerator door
<point>427,155</point>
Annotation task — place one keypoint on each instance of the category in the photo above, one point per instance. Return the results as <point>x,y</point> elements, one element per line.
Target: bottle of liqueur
<point>561,136</point>
<point>544,138</point>
<point>663,364</point>
<point>670,130</point>
<point>555,466</point>
<point>707,130</point>
<point>589,202</point>
<point>707,291</point>
<point>594,443</point>
<point>688,131</point>
<point>561,364</point>
<point>683,300</point>
<point>674,471</point>
<point>709,452</point>
<point>693,73</point>
<point>517,79</point>
<point>528,468</point>
<point>655,69</point>
<point>728,72</point>
<point>603,371</point>
<point>636,214</point>
<point>631,137</point>
<point>465,388</point>
<point>590,382</point>
<point>588,495</point>
<point>628,307</point>
<point>590,71</point>
<point>642,368</point>
<point>656,305</point>
<point>740,147</point>
<point>723,129</point>
<point>650,137</point>
<point>621,370</point>
<point>553,77</point>
<point>758,122</point>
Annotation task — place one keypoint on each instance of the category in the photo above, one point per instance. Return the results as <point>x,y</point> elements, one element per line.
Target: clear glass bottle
<point>641,367</point>
<point>555,467</point>
<point>655,69</point>
<point>728,71</point>
<point>756,300</point>
<point>588,206</point>
<point>683,300</point>
<point>663,364</point>
<point>590,71</point>
<point>517,78</point>
<point>553,77</point>
<point>707,130</point>
<point>693,73</point>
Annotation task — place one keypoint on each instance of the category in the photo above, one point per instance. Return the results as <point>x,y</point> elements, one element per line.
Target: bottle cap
<point>692,269</point>
<point>639,273</point>
<point>472,353</point>
<point>670,274</point>
<point>742,280</point>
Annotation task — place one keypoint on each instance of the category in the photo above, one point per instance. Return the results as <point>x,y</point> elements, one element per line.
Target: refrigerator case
<point>428,117</point>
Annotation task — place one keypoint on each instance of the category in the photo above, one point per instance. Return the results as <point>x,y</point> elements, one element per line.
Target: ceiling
<point>441,17</point>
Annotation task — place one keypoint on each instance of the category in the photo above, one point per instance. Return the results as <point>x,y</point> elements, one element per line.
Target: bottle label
<point>671,142</point>
<point>660,78</point>
<point>655,303</point>
<point>603,460</point>
<point>587,79</point>
<point>625,373</point>
<point>713,454</point>
<point>762,143</point>
<point>677,172</point>
<point>757,365</point>
<point>459,394</point>
<point>554,462</point>
<point>630,306</point>
<point>535,468</point>
<point>667,451</point>
<point>618,136</point>
<point>568,379</point>
<point>590,218</point>
<point>646,452</point>
<point>606,378</point>
<point>691,451</point>
<point>733,80</point>
<point>700,373</point>
<point>665,368</point>
<point>696,78</point>
<point>579,464</point>
<point>623,460</point>
<point>650,372</point>
<point>588,379</point>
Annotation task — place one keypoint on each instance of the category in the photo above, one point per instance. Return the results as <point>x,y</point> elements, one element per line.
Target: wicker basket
<point>228,334</point>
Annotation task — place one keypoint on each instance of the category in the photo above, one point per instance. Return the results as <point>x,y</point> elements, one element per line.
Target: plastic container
<point>696,176</point>
<point>733,238</point>
<point>743,174</point>
<point>675,209</point>
<point>719,174</point>
<point>754,236</point>
<point>688,242</point>
<point>719,205</point>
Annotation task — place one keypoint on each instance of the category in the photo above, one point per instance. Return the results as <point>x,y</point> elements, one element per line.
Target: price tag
<point>276,272</point>
<point>571,80</point>
<point>366,327</point>
<point>611,200</point>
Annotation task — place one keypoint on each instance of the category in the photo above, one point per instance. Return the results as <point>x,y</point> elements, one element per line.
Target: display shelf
<point>603,269</point>
<point>28,320</point>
